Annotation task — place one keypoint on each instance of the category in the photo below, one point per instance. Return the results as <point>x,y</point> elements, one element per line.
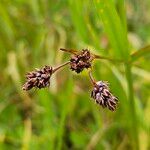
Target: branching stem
<point>91,78</point>
<point>57,68</point>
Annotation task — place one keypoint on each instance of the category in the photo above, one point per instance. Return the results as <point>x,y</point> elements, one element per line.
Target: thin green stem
<point>57,68</point>
<point>91,77</point>
<point>61,129</point>
<point>134,124</point>
<point>64,107</point>
<point>109,59</point>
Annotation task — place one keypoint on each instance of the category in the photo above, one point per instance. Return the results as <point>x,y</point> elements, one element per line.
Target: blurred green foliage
<point>64,116</point>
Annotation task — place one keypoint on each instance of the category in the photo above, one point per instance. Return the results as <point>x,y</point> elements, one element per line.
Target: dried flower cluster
<point>39,78</point>
<point>80,60</point>
<point>103,96</point>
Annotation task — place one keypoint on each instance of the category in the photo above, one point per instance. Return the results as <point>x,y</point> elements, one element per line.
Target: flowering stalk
<point>91,78</point>
<point>80,60</point>
<point>102,95</point>
<point>57,68</point>
<point>40,78</point>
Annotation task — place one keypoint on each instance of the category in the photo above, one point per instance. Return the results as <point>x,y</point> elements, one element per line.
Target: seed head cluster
<point>40,78</point>
<point>80,60</point>
<point>103,96</point>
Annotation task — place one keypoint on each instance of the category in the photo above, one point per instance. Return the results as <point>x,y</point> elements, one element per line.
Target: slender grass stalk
<point>27,134</point>
<point>64,111</point>
<point>145,51</point>
<point>134,124</point>
<point>61,129</point>
<point>109,59</point>
<point>128,70</point>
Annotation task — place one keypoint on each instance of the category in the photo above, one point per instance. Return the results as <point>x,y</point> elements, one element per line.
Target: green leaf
<point>77,16</point>
<point>115,30</point>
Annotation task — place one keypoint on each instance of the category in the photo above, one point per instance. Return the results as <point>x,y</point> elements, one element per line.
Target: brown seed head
<point>80,61</point>
<point>103,96</point>
<point>40,78</point>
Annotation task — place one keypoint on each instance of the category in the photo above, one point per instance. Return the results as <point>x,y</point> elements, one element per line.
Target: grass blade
<point>113,27</point>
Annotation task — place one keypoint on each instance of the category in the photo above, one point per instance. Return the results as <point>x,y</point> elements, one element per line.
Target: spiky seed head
<point>40,78</point>
<point>102,96</point>
<point>81,61</point>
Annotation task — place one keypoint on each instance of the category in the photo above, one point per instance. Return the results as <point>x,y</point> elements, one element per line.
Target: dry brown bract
<point>103,96</point>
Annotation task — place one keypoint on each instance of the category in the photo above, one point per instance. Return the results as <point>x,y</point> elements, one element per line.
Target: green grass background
<point>64,116</point>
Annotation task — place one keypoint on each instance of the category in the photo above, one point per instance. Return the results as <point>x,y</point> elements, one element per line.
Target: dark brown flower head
<point>40,78</point>
<point>81,60</point>
<point>103,96</point>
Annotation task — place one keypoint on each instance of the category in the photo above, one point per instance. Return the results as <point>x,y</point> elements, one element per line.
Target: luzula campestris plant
<point>80,60</point>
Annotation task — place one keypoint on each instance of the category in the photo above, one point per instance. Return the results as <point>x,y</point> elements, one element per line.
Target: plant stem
<point>57,68</point>
<point>109,59</point>
<point>91,78</point>
<point>134,124</point>
<point>62,128</point>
